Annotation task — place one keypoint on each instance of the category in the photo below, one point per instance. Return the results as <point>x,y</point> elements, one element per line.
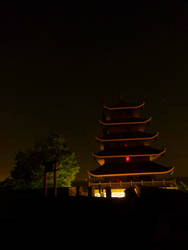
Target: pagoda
<point>126,158</point>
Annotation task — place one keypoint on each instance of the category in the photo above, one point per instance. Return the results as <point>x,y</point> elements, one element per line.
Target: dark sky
<point>59,61</point>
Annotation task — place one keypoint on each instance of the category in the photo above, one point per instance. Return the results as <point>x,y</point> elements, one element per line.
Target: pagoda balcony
<point>171,183</point>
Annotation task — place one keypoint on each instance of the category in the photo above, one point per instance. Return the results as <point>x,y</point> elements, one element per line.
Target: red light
<point>127,159</point>
<point>125,145</point>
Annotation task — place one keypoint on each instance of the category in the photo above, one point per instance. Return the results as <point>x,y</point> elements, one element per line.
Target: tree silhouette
<point>49,158</point>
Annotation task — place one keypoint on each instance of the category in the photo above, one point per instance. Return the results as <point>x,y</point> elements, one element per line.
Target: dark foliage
<point>31,165</point>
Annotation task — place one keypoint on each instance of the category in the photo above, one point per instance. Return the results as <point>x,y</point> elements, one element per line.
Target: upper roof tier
<point>134,136</point>
<point>123,105</point>
<point>131,121</point>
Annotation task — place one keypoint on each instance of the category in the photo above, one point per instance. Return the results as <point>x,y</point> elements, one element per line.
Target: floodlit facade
<point>126,158</point>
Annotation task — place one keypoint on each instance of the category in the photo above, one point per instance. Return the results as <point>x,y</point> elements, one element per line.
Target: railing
<point>121,184</point>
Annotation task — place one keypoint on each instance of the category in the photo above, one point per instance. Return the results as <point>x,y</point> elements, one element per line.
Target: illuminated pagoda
<point>126,158</point>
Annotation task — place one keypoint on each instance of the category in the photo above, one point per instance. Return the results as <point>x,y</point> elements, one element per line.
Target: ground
<point>157,218</point>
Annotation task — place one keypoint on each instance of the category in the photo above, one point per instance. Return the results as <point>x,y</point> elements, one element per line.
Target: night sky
<point>59,62</point>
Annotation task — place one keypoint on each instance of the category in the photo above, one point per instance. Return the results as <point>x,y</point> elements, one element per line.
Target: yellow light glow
<point>101,147</point>
<point>99,194</point>
<point>115,193</point>
<point>174,187</point>
<point>118,193</point>
<point>101,162</point>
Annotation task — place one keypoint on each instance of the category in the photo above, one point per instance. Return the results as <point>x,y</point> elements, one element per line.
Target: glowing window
<point>118,193</point>
<point>97,193</point>
<point>115,193</point>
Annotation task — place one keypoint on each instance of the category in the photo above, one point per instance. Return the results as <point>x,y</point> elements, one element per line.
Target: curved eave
<point>128,139</point>
<point>131,174</point>
<point>130,155</point>
<point>123,107</point>
<point>124,123</point>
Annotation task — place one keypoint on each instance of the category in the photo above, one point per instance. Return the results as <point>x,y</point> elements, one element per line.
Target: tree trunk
<point>45,182</point>
<point>55,179</point>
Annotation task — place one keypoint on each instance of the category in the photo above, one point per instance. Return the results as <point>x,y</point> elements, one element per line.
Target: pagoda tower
<point>126,158</point>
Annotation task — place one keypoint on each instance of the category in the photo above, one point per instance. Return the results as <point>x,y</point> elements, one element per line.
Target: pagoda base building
<point>126,158</point>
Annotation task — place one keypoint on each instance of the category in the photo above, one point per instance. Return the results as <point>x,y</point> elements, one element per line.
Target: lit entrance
<point>115,193</point>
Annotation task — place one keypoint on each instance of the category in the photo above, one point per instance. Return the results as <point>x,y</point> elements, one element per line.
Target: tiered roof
<point>135,136</point>
<point>122,105</point>
<point>129,151</point>
<point>132,169</point>
<point>132,151</point>
<point>131,121</point>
